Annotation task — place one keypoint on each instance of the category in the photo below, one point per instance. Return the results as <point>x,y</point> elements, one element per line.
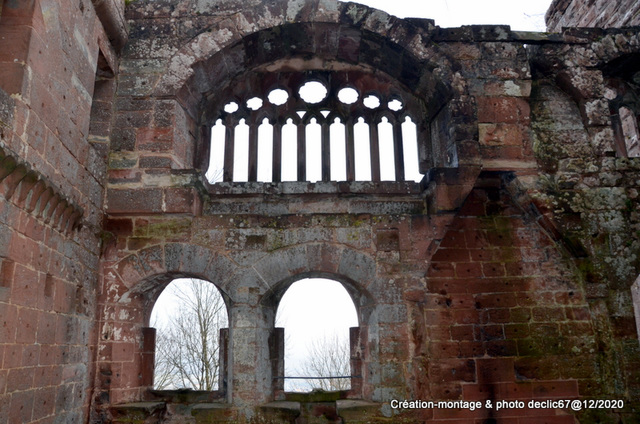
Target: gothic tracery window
<point>315,126</point>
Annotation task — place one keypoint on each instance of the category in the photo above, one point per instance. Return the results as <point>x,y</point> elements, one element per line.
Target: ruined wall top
<point>590,13</point>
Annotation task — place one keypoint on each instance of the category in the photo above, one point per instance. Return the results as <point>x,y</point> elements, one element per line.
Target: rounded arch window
<point>318,316</point>
<point>191,319</point>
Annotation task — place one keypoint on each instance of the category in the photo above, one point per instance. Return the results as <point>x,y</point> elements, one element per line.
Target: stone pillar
<point>250,363</point>
<point>635,295</point>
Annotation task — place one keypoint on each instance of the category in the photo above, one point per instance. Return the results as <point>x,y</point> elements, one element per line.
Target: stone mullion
<point>326,151</point>
<point>229,149</point>
<point>398,151</point>
<point>302,149</point>
<point>253,151</point>
<point>276,171</point>
<point>374,146</point>
<point>350,150</point>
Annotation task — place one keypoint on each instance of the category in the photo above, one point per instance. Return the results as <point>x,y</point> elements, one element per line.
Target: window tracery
<point>315,126</point>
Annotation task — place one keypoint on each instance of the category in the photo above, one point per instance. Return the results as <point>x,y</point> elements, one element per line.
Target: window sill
<point>320,187</point>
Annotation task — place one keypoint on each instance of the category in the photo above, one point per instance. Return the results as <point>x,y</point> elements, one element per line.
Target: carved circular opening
<point>313,92</point>
<point>254,103</point>
<point>231,107</point>
<point>348,95</point>
<point>395,105</point>
<point>278,97</point>
<point>371,101</point>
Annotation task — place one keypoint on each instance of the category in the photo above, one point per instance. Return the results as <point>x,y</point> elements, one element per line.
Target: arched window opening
<point>317,315</point>
<point>289,151</point>
<point>241,152</point>
<point>314,151</point>
<point>338,151</point>
<point>349,127</point>
<point>362,149</point>
<point>387,154</point>
<point>190,317</point>
<point>265,151</point>
<point>216,156</point>
<point>410,148</point>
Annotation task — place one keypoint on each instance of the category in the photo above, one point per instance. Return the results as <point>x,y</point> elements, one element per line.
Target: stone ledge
<point>29,190</point>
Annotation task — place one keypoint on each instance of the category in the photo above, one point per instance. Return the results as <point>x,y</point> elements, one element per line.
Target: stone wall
<point>592,13</point>
<point>51,207</point>
<point>472,285</point>
<point>504,275</point>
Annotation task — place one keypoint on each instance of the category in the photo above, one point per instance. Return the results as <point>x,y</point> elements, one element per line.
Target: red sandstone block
<point>498,285</point>
<point>499,141</point>
<point>3,383</point>
<point>541,419</point>
<point>481,255</point>
<point>12,356</point>
<point>472,392</point>
<point>119,226</point>
<point>64,296</point>
<point>461,301</point>
<point>467,224</point>
<point>449,370</point>
<point>500,315</point>
<point>451,255</point>
<point>503,109</point>
<point>578,313</point>
<point>123,352</point>
<point>46,376</point>
<point>453,239</point>
<point>516,331</point>
<point>50,355</point>
<point>468,270</point>
<point>489,332</point>
<point>463,332</point>
<point>470,349</point>
<point>444,349</point>
<point>471,208</point>
<point>476,239</point>
<point>44,402</point>
<point>46,328</point>
<point>495,370</point>
<point>465,316</point>
<point>179,200</point>
<point>546,314</point>
<point>500,348</point>
<point>15,42</point>
<point>556,389</point>
<point>570,298</point>
<point>135,201</point>
<point>12,77</point>
<point>445,391</point>
<point>20,379</point>
<point>493,269</point>
<point>447,286</point>
<point>27,325</point>
<point>496,300</point>
<point>442,270</point>
<point>21,407</point>
<point>438,333</point>
<point>30,355</point>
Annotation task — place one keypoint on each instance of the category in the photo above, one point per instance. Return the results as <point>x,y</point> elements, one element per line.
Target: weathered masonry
<point>475,190</point>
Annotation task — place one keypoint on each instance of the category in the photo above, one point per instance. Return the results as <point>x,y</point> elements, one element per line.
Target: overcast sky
<point>521,15</point>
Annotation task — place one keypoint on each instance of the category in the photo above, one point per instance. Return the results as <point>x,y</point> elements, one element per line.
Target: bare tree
<point>187,347</point>
<point>328,357</point>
